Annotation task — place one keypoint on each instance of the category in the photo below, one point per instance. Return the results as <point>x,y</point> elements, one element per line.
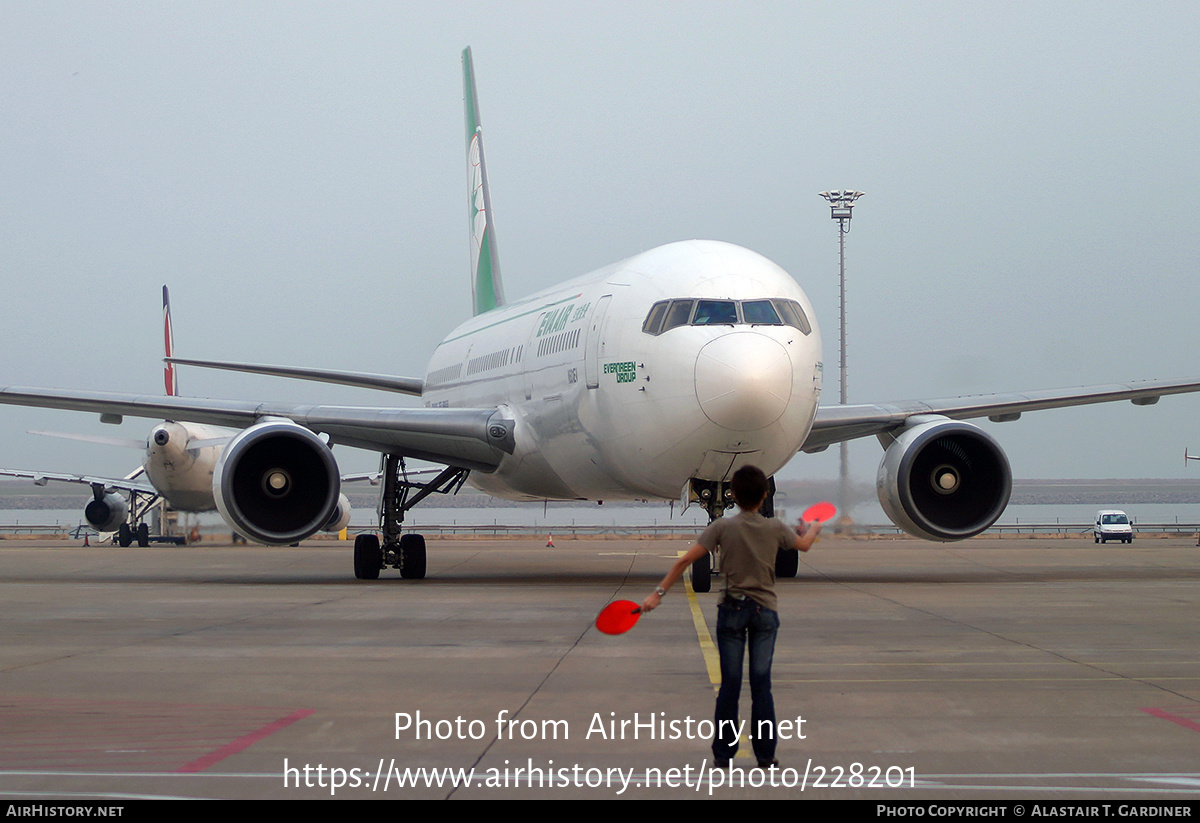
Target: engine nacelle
<point>277,483</point>
<point>341,516</point>
<point>944,480</point>
<point>107,512</point>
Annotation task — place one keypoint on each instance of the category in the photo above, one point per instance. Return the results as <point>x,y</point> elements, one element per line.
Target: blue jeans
<point>739,621</point>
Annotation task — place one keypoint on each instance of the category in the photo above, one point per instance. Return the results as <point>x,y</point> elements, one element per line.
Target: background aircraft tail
<point>486,288</point>
<point>168,341</point>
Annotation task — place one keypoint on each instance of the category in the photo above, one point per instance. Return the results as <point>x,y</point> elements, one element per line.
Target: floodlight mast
<point>841,209</point>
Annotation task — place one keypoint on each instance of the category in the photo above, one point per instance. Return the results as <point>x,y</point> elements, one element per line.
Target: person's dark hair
<point>749,486</point>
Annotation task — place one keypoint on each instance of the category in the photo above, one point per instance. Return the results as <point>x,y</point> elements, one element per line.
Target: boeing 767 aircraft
<point>652,378</point>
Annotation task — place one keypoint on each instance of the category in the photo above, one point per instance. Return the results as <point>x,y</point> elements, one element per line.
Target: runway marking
<point>1057,782</point>
<point>1184,788</point>
<point>1175,718</point>
<point>128,733</point>
<point>1013,664</point>
<point>712,661</point>
<point>1139,681</point>
<point>244,742</point>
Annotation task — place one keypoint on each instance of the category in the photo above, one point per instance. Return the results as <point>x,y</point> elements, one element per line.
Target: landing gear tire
<point>787,562</point>
<point>368,559</point>
<point>143,535</point>
<point>412,556</point>
<point>702,574</point>
<point>124,535</point>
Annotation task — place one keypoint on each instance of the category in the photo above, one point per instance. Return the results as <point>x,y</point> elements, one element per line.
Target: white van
<point>1112,524</point>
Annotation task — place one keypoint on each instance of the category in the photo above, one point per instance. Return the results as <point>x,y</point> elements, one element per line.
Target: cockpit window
<point>654,319</point>
<point>779,311</point>
<point>760,312</point>
<point>679,314</point>
<point>715,313</point>
<point>793,315</point>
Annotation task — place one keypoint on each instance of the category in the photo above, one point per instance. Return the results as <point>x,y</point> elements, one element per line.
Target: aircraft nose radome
<point>743,381</point>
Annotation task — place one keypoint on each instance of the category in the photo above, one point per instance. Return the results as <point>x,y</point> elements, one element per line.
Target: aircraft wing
<point>362,380</point>
<point>124,484</point>
<point>468,438</point>
<point>834,424</point>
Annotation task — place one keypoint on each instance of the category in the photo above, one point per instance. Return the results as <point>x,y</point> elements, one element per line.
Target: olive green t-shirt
<point>748,543</point>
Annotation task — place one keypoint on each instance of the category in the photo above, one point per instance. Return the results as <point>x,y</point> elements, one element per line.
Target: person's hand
<point>806,534</point>
<point>651,603</point>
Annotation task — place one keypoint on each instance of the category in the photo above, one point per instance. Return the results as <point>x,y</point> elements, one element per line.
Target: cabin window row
<point>669,314</point>
<point>558,342</point>
<point>486,362</point>
<point>443,375</point>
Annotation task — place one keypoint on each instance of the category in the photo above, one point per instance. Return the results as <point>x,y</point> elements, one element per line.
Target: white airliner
<point>179,462</point>
<point>653,378</point>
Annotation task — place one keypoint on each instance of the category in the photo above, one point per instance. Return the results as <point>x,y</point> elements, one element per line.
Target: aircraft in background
<point>178,467</point>
<point>109,510</point>
<point>653,378</point>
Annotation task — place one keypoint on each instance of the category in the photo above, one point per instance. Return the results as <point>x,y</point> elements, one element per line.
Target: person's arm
<point>695,553</point>
<point>806,535</point>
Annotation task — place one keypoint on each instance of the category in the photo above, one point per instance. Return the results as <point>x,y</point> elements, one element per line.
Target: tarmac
<point>905,671</point>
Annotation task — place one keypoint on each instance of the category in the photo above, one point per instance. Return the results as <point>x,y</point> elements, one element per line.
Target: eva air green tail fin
<point>486,287</point>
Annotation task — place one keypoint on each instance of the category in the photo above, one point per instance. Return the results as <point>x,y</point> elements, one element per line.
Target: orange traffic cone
<point>550,542</point>
<point>85,539</point>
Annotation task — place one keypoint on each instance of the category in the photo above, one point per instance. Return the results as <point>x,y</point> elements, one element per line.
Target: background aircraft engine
<point>106,513</point>
<point>341,515</point>
<point>277,482</point>
<point>944,480</point>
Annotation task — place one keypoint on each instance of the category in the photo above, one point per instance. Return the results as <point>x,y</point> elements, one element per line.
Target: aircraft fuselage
<point>181,471</point>
<point>606,409</point>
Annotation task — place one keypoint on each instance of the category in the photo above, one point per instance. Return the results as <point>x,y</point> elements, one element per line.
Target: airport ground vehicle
<point>1112,524</point>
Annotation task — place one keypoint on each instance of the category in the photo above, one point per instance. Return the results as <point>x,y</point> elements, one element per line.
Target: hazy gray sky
<point>296,174</point>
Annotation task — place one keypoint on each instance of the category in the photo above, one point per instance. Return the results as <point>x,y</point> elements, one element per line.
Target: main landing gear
<point>405,552</point>
<point>787,561</point>
<point>715,496</point>
<point>134,528</point>
<point>126,534</point>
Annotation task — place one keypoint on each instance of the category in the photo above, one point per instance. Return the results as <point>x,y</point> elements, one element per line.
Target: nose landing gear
<point>715,496</point>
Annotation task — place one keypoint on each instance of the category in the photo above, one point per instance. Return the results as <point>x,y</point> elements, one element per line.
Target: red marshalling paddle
<point>618,617</point>
<point>819,512</point>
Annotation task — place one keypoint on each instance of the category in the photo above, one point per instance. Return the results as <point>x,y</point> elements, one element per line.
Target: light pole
<point>841,208</point>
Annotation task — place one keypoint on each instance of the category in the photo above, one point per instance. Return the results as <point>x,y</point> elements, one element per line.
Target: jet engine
<point>277,483</point>
<point>942,479</point>
<point>106,512</point>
